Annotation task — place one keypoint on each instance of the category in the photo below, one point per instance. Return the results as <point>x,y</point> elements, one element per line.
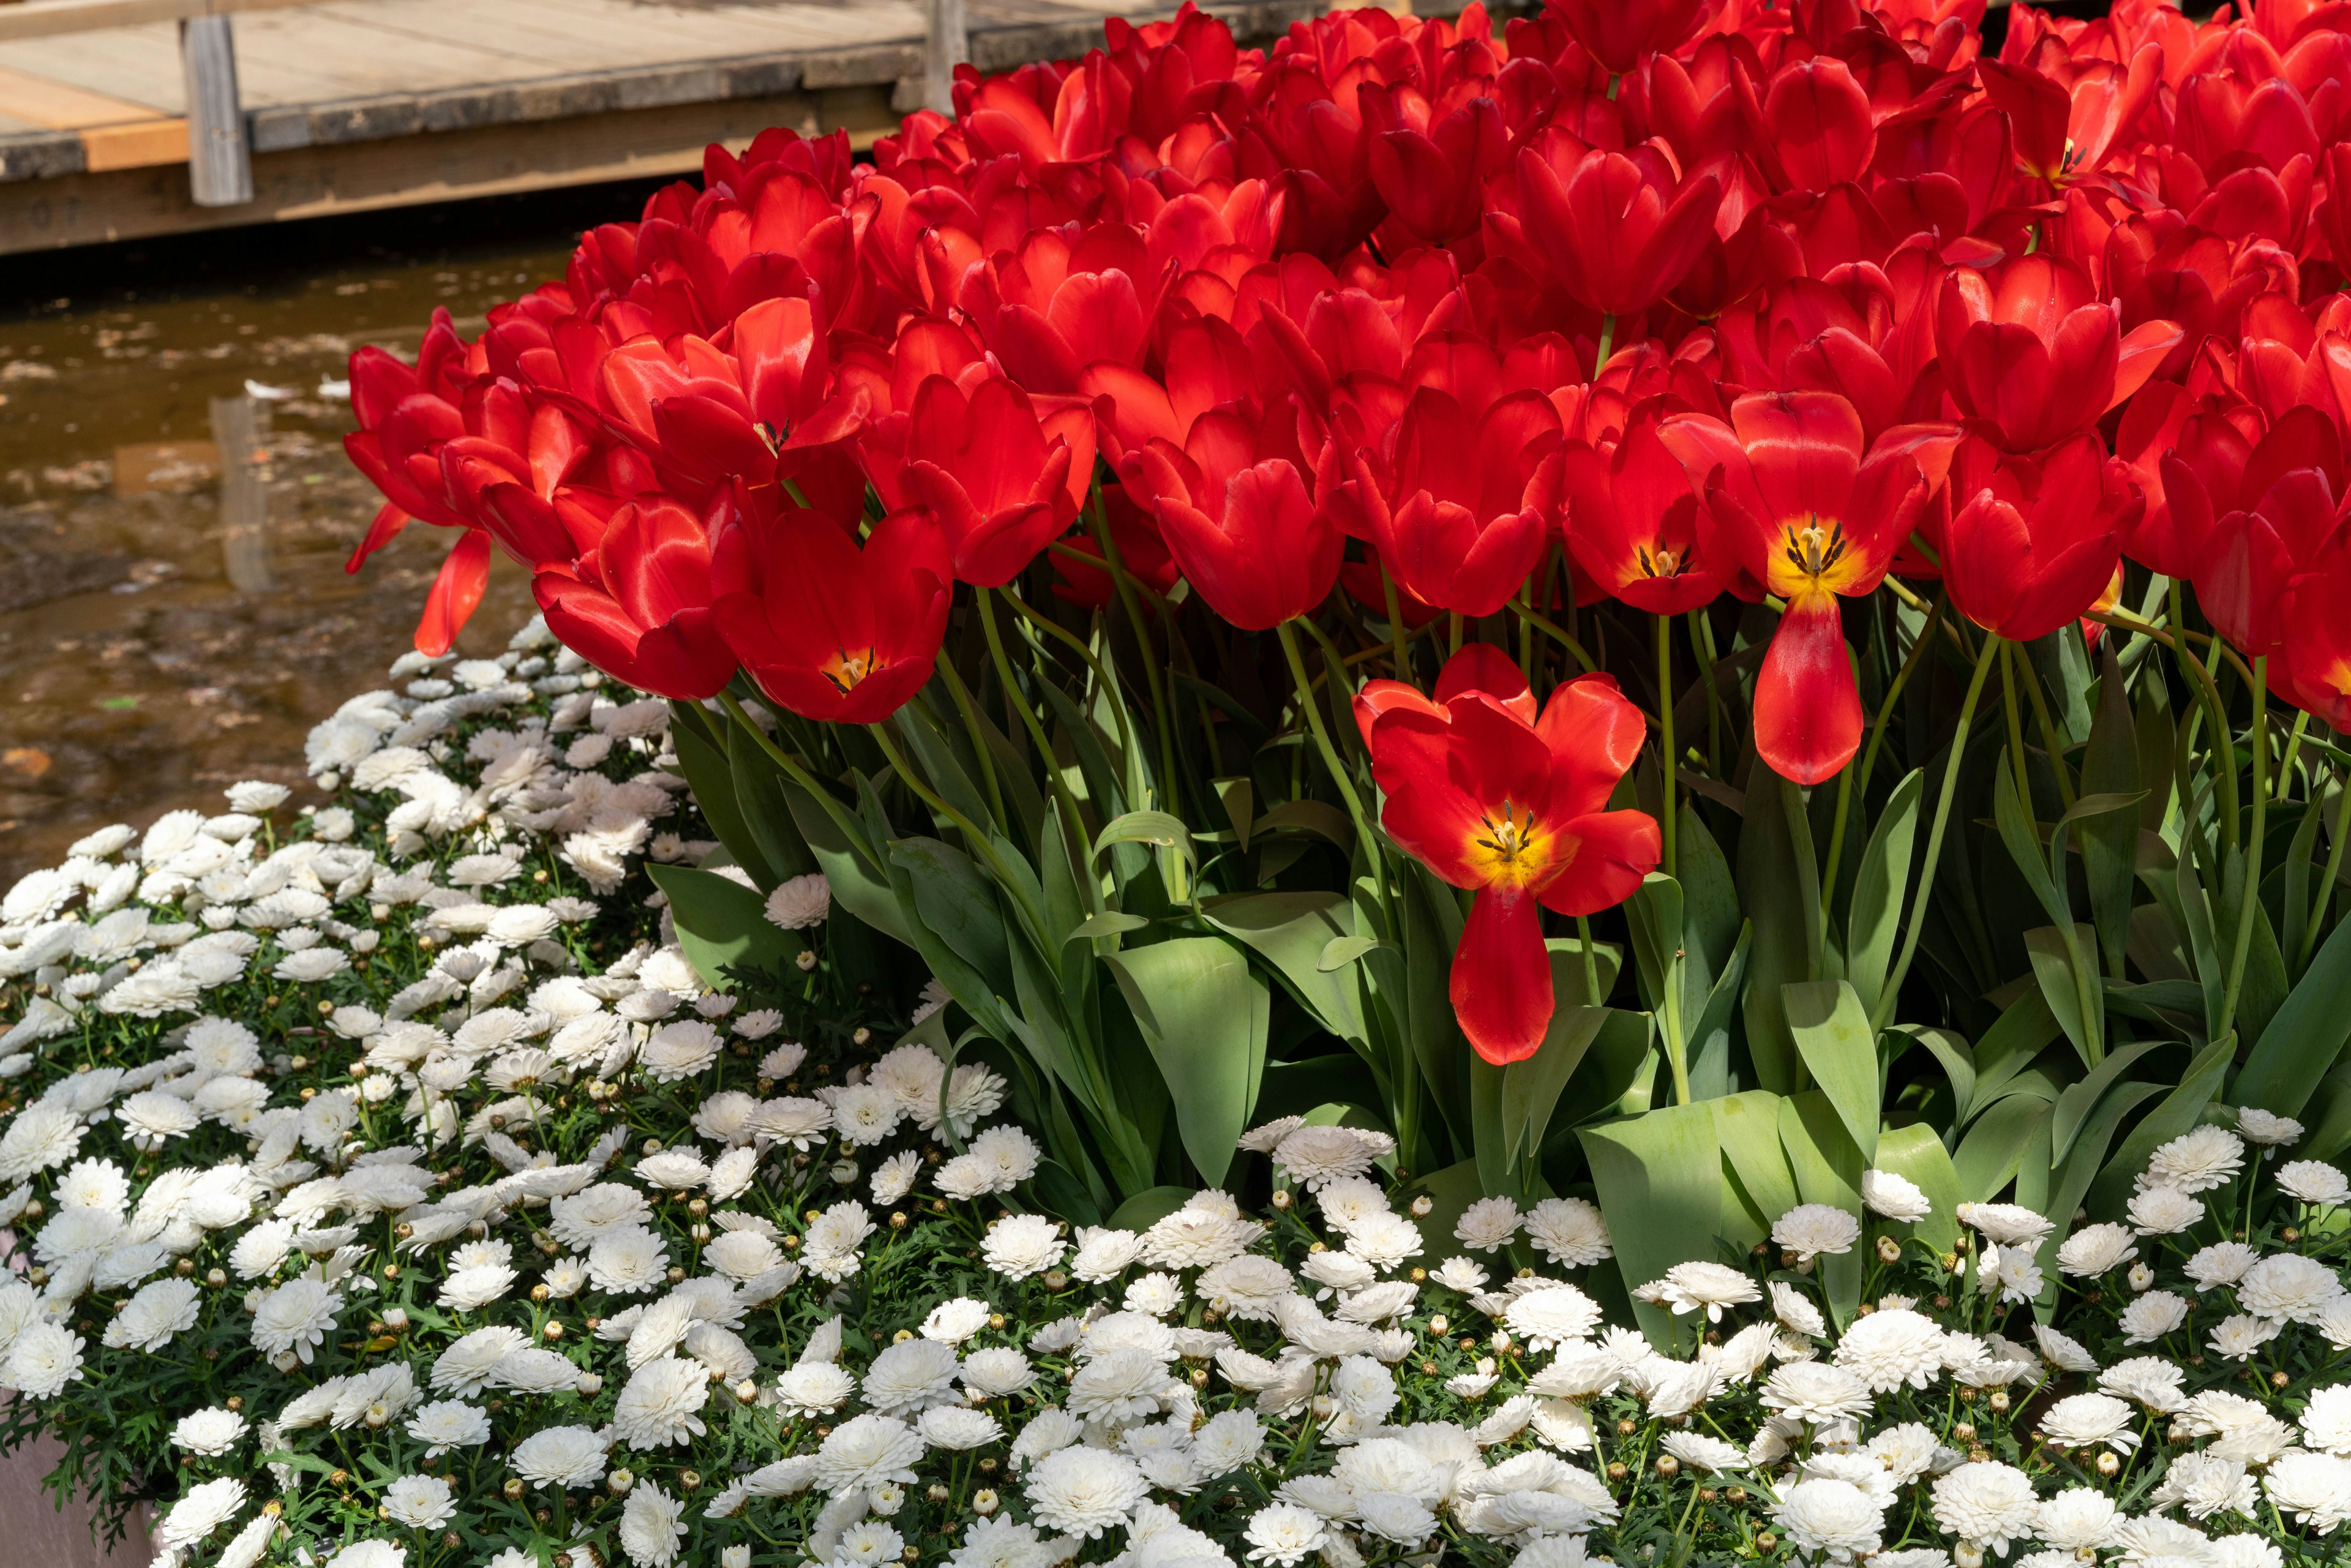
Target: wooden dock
<point>351,105</point>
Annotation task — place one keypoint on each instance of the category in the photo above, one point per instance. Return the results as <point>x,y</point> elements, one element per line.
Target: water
<point>152,649</point>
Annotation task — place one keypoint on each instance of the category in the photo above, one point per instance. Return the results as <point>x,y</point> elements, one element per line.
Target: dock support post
<point>946,44</point>
<point>220,162</point>
<point>239,424</point>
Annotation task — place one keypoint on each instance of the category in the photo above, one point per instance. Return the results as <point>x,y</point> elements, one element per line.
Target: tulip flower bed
<point>1557,790</point>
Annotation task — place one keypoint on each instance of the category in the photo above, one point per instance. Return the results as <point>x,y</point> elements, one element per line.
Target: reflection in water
<point>173,610</point>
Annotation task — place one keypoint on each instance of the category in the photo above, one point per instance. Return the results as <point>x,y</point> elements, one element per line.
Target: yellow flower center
<point>846,669</point>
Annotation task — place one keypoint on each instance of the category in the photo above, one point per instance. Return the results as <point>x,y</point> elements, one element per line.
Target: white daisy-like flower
<point>2313,1182</point>
<point>1712,1455</point>
<point>2151,1316</point>
<point>202,1510</point>
<point>153,1118</point>
<point>1155,1294</point>
<point>420,1502</point>
<point>865,1452</point>
<point>1796,1311</point>
<point>2086,1420</point>
<point>2163,1211</point>
<point>1894,1196</point>
<point>1283,1535</point>
<point>150,1319</point>
<point>995,1372</point>
<point>1021,1245</point>
<point>1986,1504</point>
<point>865,1113</point>
<point>2062,1351</point>
<point>2076,1520</point>
<point>1488,1225</point>
<point>44,1358</point>
<point>661,1405</point>
<point>1832,1518</point>
<point>2204,1484</point>
<point>1571,1231</point>
<point>1196,1235</point>
<point>893,1178</point>
<point>742,1254</point>
<point>910,1376</point>
<point>2198,1160</point>
<point>562,1457</point>
<point>2006,1224</point>
<point>2313,1488</point>
<point>1889,1349</point>
<point>2269,1131</point>
<point>39,1137</point>
<point>1812,1230</point>
<point>813,1387</point>
<point>2095,1248</point>
<point>2288,1287</point>
<point>369,1554</point>
<point>1317,1156</point>
<point>800,902</point>
<point>2222,1263</point>
<point>2326,1419</point>
<point>2149,1379</point>
<point>1707,1287</point>
<point>957,1428</point>
<point>2240,1334</point>
<point>1083,1491</point>
<point>448,1423</point>
<point>1120,1385</point>
<point>653,1526</point>
<point>1552,1316</point>
<point>295,1317</point>
<point>209,1433</point>
<point>469,1364</point>
<point>680,1049</point>
<point>628,1260</point>
<point>1816,1392</point>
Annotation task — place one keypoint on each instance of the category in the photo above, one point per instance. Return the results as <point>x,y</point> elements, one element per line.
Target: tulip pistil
<point>1515,847</point>
<point>1815,550</point>
<point>1664,561</point>
<point>846,669</point>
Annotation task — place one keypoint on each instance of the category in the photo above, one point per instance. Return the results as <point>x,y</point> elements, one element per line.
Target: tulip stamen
<point>1510,840</point>
<point>846,669</point>
<point>1665,561</point>
<point>1813,550</point>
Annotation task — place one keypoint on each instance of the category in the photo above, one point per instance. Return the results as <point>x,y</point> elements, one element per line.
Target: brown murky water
<point>158,643</point>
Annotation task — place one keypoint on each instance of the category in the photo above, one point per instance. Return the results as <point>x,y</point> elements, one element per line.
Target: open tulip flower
<point>1632,524</point>
<point>638,604</point>
<point>1492,798</point>
<point>1791,497</point>
<point>830,629</point>
<point>2033,355</point>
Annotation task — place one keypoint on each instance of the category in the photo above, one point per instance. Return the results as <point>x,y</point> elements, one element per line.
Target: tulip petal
<point>1501,985</point>
<point>1807,707</point>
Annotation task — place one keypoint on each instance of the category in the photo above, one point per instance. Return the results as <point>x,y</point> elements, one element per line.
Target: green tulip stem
<point>1666,733</point>
<point>2049,738</point>
<point>965,706</point>
<point>1877,742</point>
<point>1884,1010</point>
<point>2249,896</point>
<point>1313,711</point>
<point>2326,884</point>
<point>2015,727</point>
<point>1099,515</point>
<point>1607,344</point>
<point>1396,638</point>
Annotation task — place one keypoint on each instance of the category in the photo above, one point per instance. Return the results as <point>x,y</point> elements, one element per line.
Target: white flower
<point>1895,1195</point>
<point>2314,1488</point>
<point>2148,1379</point>
<point>661,1403</point>
<point>865,1113</point>
<point>2006,1224</point>
<point>1795,1310</point>
<point>1811,1229</point>
<point>680,1049</point>
<point>800,902</point>
<point>1195,1236</point>
<point>1021,1245</point>
<point>2326,1419</point>
<point>995,1372</point>
<point>40,1136</point>
<point>149,1320</point>
<point>297,1316</point>
<point>2205,1484</point>
<point>653,1526</point>
<point>1986,1504</point>
<point>1083,1491</point>
<point>2289,1287</point>
<point>1833,1518</point>
<point>1121,1385</point>
<point>1317,1156</point>
<point>566,1456</point>
<point>2198,1160</point>
<point>470,1290</point>
<point>1552,1316</point>
<point>2222,1263</point>
<point>893,1178</point>
<point>369,1554</point>
<point>46,1356</point>
<point>2269,1131</point>
<point>1690,1287</point>
<point>447,1424</point>
<point>1889,1349</point>
<point>1712,1455</point>
<point>204,1509</point>
<point>910,1376</point>
<point>2085,1420</point>
<point>2238,1335</point>
<point>2094,1250</point>
<point>1816,1392</point>
<point>813,1387</point>
<point>867,1452</point>
<point>210,1432</point>
<point>467,1366</point>
<point>628,1260</point>
<point>2313,1181</point>
<point>2076,1520</point>
<point>1283,1534</point>
<point>1571,1232</point>
<point>1486,1224</point>
<point>2151,1316</point>
<point>2060,1350</point>
<point>2163,1211</point>
<point>957,1428</point>
<point>421,1502</point>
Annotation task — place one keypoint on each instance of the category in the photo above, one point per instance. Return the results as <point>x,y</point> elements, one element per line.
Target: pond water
<point>163,634</point>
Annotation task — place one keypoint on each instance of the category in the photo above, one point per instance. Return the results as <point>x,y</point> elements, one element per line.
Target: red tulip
<point>830,630</point>
<point>2035,541</point>
<point>1632,524</point>
<point>1518,812</point>
<point>637,606</point>
<point>2316,673</point>
<point>2067,133</point>
<point>1003,474</point>
<point>1460,507</point>
<point>1792,499</point>
<point>1618,230</point>
<point>1239,523</point>
<point>2032,353</point>
<point>1619,34</point>
<point>1141,551</point>
<point>2245,573</point>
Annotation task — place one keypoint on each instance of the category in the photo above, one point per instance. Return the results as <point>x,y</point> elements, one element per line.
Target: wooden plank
<point>139,64</point>
<point>362,59</point>
<point>62,106</point>
<point>314,182</point>
<point>57,18</point>
<point>139,145</point>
